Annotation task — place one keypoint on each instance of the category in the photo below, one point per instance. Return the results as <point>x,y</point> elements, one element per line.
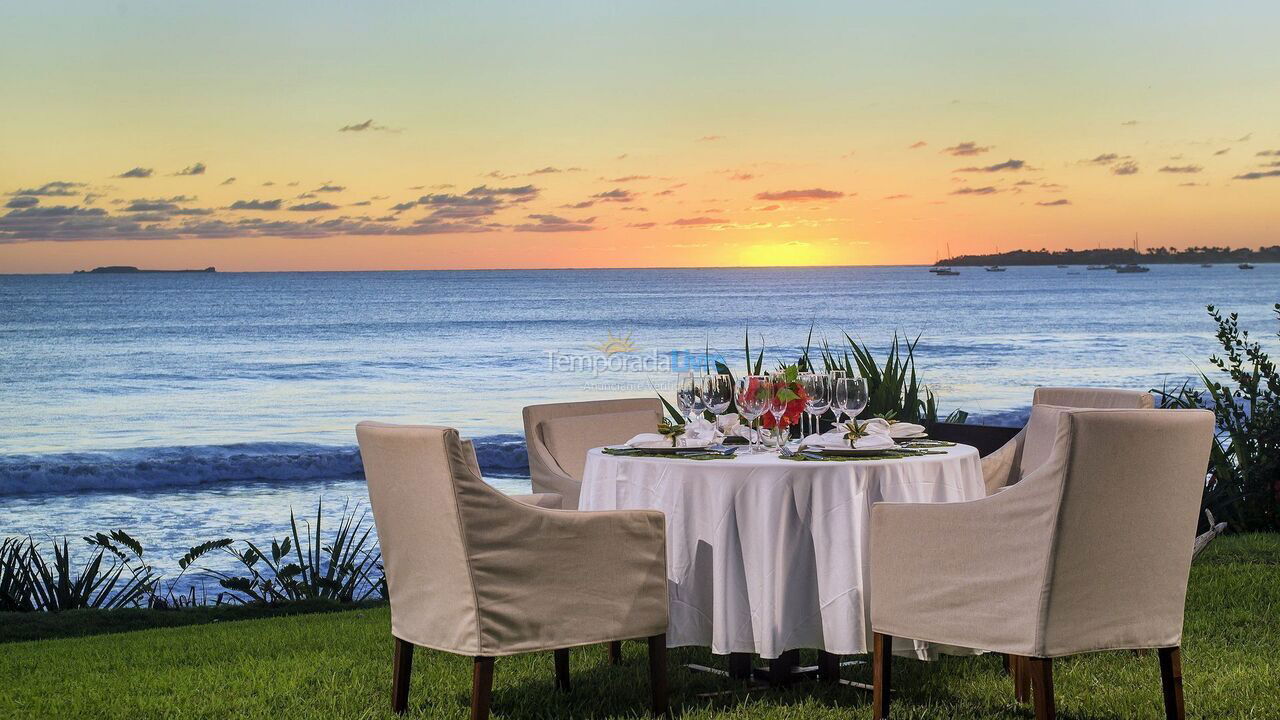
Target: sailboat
<point>1133,267</point>
<point>945,271</point>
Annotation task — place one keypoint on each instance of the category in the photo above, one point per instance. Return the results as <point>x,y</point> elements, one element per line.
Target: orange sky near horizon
<point>500,135</point>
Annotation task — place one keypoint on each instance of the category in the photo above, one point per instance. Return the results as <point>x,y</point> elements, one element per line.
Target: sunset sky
<point>376,135</point>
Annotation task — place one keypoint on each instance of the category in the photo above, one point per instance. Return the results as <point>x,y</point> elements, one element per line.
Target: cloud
<point>767,208</point>
<point>1009,164</point>
<point>196,169</point>
<point>1268,153</point>
<point>629,178</point>
<point>743,176</point>
<point>362,203</point>
<point>917,145</point>
<point>1055,203</point>
<point>150,206</point>
<point>57,188</point>
<point>138,172</point>
<point>896,197</point>
<point>367,125</point>
<point>579,205</point>
<point>468,200</point>
<point>1129,123</point>
<point>710,138</point>
<point>313,207</point>
<point>231,180</point>
<point>545,170</point>
<point>615,195</point>
<point>404,205</point>
<point>555,223</point>
<point>643,225</point>
<point>800,195</point>
<point>23,201</point>
<point>988,190</point>
<point>1182,169</point>
<point>693,221</point>
<point>522,191</point>
<point>257,204</point>
<point>327,188</point>
<point>967,149</point>
<point>1223,151</point>
<point>1125,168</point>
<point>1104,159</point>
<point>1258,175</point>
<point>1245,138</point>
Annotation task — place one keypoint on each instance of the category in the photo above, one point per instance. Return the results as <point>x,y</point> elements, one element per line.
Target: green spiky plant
<point>114,576</point>
<point>15,579</point>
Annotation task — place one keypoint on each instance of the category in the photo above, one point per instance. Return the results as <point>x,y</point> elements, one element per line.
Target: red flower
<point>795,408</point>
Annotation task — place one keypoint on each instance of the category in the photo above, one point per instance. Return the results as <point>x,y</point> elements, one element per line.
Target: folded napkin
<point>731,425</point>
<point>893,430</point>
<point>834,439</point>
<point>698,432</point>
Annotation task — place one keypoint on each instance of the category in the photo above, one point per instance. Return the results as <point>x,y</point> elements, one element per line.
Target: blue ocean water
<point>188,406</point>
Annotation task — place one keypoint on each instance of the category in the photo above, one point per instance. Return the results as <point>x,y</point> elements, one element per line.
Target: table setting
<point>768,527</point>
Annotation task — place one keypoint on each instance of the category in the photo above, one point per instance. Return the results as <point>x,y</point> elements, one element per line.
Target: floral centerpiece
<point>786,388</point>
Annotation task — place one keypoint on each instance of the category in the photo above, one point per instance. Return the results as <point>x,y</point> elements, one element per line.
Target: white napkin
<point>893,430</point>
<point>699,432</point>
<point>647,439</point>
<point>834,439</point>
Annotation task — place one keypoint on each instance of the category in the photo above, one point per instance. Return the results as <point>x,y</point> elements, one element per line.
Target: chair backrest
<point>1128,485</point>
<point>559,435</point>
<point>426,495</point>
<point>1042,425</point>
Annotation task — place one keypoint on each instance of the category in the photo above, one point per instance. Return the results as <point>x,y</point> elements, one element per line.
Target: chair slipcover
<point>474,572</point>
<point>1003,467</point>
<point>559,435</point>
<point>1089,552</point>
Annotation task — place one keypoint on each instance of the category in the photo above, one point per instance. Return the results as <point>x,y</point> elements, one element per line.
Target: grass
<point>337,665</point>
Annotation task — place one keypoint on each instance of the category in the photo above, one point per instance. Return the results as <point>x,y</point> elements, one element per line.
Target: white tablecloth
<point>766,555</point>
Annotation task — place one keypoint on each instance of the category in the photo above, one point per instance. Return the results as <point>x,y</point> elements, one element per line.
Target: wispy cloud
<point>327,188</point>
<point>701,220</point>
<point>256,204</point>
<point>967,149</point>
<point>917,145</point>
<point>1181,169</point>
<point>56,188</point>
<point>1268,153</point>
<point>367,126</point>
<point>136,173</point>
<point>800,195</point>
<point>196,169</point>
<point>899,196</point>
<point>988,190</point>
<point>1258,175</point>
<point>1223,151</point>
<point>710,138</point>
<point>1129,123</point>
<point>629,178</point>
<point>555,223</point>
<point>1125,168</point>
<point>1009,164</point>
<point>1104,159</point>
<point>1055,203</point>
<point>23,201</point>
<point>615,195</point>
<point>313,207</point>
<point>521,191</point>
<point>232,180</point>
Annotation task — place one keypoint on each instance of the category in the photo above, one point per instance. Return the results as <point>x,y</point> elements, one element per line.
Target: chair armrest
<point>999,468</point>
<point>551,501</point>
<point>966,574</point>
<point>557,578</point>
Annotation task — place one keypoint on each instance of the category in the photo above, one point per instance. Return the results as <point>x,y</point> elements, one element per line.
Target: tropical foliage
<point>1243,485</point>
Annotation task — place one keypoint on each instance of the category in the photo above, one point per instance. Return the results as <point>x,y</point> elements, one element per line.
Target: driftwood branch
<point>1202,541</point>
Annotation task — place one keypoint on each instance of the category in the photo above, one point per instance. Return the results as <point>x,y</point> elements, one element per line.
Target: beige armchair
<point>473,572</point>
<point>1089,552</point>
<point>1030,446</point>
<point>559,435</point>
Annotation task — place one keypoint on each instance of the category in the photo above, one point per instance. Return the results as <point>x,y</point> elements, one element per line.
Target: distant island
<point>1119,256</point>
<point>130,270</point>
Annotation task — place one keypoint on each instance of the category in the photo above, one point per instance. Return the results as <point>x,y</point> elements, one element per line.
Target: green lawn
<point>337,665</point>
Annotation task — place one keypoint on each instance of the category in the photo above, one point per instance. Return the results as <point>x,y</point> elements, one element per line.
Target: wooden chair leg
<point>1041,671</point>
<point>1171,682</point>
<point>658,673</point>
<point>828,666</point>
<point>615,652</point>
<point>1021,675</point>
<point>562,669</point>
<point>780,667</point>
<point>401,671</point>
<point>1008,665</point>
<point>881,674</point>
<point>481,688</point>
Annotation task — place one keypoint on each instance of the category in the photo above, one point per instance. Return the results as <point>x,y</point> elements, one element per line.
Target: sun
<point>783,253</point>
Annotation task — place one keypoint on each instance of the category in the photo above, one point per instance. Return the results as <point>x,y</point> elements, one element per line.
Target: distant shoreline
<point>131,270</point>
<point>1119,256</point>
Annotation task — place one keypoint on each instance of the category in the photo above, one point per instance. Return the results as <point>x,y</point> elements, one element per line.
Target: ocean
<point>187,407</point>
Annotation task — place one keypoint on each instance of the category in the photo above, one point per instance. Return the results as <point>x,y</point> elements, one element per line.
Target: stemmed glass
<point>717,393</point>
<point>753,400</point>
<point>817,388</point>
<point>835,377</point>
<point>689,396</point>
<point>855,395</point>
<point>777,406</point>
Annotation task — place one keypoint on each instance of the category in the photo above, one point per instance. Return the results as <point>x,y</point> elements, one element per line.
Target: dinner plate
<point>848,452</point>
<point>917,436</point>
<point>663,447</point>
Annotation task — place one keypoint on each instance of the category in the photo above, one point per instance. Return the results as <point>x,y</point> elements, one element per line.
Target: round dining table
<point>767,554</point>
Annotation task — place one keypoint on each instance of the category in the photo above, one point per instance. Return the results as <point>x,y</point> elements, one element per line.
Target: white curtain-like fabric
<point>766,555</point>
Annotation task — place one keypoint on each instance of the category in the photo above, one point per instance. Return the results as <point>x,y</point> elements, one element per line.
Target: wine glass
<point>717,393</point>
<point>836,376</point>
<point>817,389</point>
<point>856,396</point>
<point>689,395</point>
<point>753,400</point>
<point>777,406</point>
<point>839,396</point>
